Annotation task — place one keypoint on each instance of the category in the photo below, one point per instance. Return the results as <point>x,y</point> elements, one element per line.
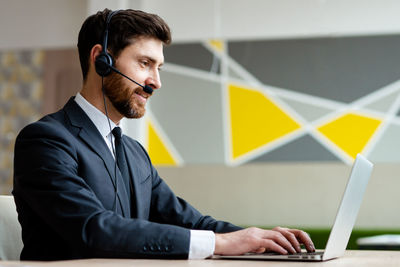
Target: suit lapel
<point>91,136</point>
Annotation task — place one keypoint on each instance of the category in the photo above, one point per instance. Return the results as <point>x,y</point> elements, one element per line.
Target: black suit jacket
<point>64,192</point>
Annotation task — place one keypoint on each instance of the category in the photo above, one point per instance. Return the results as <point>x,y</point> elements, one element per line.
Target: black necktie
<point>121,159</point>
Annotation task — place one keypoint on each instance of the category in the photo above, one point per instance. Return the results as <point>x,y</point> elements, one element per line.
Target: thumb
<point>260,250</point>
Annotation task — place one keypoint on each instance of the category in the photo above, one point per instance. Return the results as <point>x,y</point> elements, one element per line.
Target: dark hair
<point>123,28</point>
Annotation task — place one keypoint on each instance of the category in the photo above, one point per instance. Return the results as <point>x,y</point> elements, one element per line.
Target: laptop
<point>343,225</point>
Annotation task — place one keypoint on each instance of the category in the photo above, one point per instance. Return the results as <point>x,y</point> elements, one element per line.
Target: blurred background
<point>264,104</point>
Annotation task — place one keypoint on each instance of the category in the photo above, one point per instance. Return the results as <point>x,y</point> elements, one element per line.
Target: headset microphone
<point>146,88</point>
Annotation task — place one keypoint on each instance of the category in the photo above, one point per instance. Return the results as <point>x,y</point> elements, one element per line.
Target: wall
<point>299,194</point>
<point>55,23</point>
<point>315,81</point>
<point>255,19</point>
<point>40,23</point>
<point>272,100</point>
<point>318,61</point>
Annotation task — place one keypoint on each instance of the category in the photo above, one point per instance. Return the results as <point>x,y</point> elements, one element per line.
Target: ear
<point>94,53</point>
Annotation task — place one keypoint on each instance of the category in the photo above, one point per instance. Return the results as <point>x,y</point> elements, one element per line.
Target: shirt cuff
<point>202,244</point>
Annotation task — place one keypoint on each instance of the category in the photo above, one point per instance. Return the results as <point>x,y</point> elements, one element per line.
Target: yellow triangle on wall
<point>350,132</point>
<point>217,44</point>
<point>255,120</point>
<point>158,151</point>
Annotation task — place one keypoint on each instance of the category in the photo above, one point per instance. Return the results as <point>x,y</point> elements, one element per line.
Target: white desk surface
<point>351,258</point>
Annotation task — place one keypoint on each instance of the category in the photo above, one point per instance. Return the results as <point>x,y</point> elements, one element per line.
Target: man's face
<point>141,61</point>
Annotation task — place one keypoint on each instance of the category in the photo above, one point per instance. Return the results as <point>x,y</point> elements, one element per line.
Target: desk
<point>351,258</point>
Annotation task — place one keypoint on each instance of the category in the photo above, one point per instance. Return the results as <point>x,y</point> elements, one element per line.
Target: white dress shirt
<point>202,242</point>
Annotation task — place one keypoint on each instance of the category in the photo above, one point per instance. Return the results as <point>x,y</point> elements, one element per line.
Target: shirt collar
<point>96,116</point>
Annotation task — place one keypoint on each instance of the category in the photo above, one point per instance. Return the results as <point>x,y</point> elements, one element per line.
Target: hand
<point>280,240</point>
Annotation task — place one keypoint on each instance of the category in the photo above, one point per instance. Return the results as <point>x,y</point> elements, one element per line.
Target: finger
<point>259,250</point>
<point>290,237</point>
<point>282,241</point>
<point>304,238</point>
<point>270,245</point>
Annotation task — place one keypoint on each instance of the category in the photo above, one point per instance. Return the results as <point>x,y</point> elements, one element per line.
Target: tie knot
<point>117,132</point>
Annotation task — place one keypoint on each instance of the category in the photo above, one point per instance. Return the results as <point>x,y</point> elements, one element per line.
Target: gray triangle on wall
<point>383,104</point>
<point>308,111</point>
<point>305,148</point>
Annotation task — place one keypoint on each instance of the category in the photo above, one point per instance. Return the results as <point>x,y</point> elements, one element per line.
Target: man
<point>81,192</point>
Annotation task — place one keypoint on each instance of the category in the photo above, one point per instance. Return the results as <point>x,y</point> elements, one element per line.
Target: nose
<point>154,80</point>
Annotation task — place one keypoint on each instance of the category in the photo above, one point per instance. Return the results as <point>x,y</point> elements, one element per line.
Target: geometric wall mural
<point>322,99</point>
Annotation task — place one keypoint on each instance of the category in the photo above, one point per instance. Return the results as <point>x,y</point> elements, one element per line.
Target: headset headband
<point>105,39</point>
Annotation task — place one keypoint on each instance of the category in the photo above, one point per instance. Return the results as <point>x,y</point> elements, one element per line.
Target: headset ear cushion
<point>103,63</point>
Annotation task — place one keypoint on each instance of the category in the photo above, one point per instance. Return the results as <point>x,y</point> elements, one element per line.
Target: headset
<point>104,63</point>
<point>105,60</point>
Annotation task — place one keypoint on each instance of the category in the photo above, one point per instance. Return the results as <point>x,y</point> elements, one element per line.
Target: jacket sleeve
<point>51,197</point>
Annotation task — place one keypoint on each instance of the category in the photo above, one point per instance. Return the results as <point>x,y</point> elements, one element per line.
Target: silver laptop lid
<point>348,209</point>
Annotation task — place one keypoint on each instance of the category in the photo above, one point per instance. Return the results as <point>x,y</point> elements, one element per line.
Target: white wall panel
<point>189,20</point>
<point>309,18</point>
<point>40,24</point>
<point>270,19</point>
<point>55,23</point>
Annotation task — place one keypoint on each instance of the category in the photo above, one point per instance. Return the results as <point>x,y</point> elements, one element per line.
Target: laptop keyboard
<point>302,256</point>
<point>306,255</point>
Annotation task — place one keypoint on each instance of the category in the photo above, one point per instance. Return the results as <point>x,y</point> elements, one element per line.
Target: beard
<point>122,97</point>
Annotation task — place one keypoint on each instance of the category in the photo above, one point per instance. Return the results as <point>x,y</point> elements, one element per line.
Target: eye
<point>145,63</point>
